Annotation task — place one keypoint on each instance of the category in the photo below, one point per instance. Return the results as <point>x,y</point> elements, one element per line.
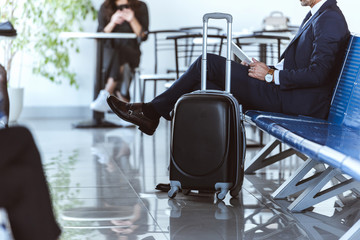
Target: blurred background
<point>44,98</point>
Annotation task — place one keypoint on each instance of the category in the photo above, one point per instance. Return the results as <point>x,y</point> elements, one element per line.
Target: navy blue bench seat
<point>325,141</point>
<point>331,146</point>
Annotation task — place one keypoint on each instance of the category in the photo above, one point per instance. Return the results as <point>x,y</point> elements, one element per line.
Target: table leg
<point>98,120</point>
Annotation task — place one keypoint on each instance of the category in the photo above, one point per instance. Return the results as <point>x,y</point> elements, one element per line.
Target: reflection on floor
<point>102,183</point>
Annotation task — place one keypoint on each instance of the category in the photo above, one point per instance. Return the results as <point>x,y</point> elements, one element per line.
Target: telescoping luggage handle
<point>229,19</point>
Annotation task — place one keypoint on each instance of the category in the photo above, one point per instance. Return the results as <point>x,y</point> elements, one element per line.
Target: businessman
<point>300,84</point>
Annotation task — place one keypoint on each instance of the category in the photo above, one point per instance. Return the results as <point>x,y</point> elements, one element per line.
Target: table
<point>264,40</point>
<point>97,120</point>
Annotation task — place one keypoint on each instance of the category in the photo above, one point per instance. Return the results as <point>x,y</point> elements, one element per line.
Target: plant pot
<point>16,100</point>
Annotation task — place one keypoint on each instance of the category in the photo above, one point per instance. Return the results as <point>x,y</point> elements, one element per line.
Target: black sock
<point>150,112</point>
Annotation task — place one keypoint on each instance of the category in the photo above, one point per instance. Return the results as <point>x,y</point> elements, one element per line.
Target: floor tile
<point>103,182</point>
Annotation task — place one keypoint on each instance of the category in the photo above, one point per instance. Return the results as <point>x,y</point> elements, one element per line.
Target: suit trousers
<point>250,92</point>
<point>24,191</point>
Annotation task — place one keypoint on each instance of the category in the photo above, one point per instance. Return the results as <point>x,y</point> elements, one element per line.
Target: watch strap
<point>271,71</point>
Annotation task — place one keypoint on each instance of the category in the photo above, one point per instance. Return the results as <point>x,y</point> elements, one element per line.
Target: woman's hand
<point>128,14</point>
<point>117,17</point>
<point>257,69</point>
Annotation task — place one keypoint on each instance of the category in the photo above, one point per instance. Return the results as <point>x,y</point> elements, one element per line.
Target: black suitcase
<point>208,135</point>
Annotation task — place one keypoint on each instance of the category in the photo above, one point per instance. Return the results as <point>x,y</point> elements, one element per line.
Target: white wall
<point>164,14</point>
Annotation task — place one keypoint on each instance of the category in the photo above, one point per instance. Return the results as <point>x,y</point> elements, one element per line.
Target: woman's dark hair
<point>110,7</point>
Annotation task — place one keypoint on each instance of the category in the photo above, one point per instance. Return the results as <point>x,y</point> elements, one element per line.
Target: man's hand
<point>257,69</point>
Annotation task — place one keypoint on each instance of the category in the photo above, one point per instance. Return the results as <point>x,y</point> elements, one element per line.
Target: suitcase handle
<point>217,15</point>
<point>229,19</point>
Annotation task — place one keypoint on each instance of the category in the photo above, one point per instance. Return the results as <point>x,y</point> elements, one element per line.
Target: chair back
<point>264,46</point>
<point>161,45</point>
<point>189,42</point>
<point>189,46</point>
<point>345,106</point>
<point>198,29</point>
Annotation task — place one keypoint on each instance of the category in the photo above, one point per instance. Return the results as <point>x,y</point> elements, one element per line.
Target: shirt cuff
<point>277,77</point>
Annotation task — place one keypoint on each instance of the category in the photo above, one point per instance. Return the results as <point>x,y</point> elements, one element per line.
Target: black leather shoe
<point>132,112</point>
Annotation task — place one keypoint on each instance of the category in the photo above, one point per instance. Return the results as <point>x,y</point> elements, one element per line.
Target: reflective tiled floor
<point>102,183</point>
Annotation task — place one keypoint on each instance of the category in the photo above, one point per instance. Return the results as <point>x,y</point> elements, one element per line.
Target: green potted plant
<point>38,24</point>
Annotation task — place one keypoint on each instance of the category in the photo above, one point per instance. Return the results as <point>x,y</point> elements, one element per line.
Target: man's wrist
<point>269,77</point>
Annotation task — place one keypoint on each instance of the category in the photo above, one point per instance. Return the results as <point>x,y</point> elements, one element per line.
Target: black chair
<point>164,48</point>
<point>189,47</point>
<point>266,46</point>
<point>191,42</point>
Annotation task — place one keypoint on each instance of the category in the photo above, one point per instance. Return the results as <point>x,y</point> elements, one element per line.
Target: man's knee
<point>210,59</point>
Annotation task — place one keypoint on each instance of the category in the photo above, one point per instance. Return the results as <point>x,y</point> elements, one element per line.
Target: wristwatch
<point>269,76</point>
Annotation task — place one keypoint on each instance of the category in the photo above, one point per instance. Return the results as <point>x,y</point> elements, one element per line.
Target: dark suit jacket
<point>312,63</point>
<point>24,189</point>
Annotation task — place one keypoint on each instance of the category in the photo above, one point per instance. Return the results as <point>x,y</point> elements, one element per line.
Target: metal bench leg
<point>262,160</point>
<point>296,183</point>
<point>353,233</point>
<point>259,144</point>
<point>313,194</point>
<point>316,225</point>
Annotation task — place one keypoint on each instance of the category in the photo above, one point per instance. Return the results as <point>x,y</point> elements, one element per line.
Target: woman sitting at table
<point>121,56</point>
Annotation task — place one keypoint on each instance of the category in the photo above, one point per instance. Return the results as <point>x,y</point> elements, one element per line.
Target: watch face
<point>268,78</point>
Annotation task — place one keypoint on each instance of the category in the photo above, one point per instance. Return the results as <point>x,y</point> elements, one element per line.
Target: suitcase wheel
<point>173,191</point>
<point>174,188</point>
<point>222,189</point>
<point>221,195</point>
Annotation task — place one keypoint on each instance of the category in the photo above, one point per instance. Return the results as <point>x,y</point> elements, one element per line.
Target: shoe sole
<point>142,129</point>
